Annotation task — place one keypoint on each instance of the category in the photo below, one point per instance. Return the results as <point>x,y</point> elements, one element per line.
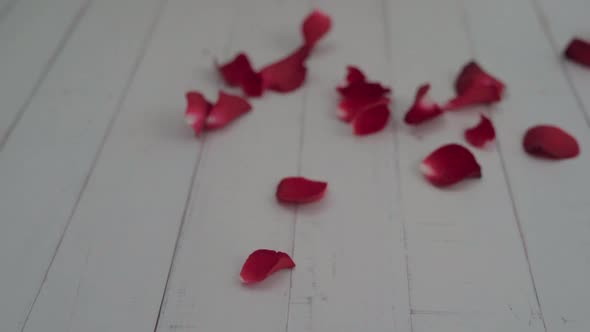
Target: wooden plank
<point>550,197</point>
<point>32,34</point>
<point>561,21</point>
<point>111,270</point>
<point>234,211</point>
<point>5,7</point>
<point>47,159</point>
<point>352,270</point>
<point>466,260</point>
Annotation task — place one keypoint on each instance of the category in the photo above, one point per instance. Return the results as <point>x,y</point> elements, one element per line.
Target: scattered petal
<point>287,74</point>
<point>475,86</point>
<point>371,120</point>
<point>450,164</point>
<point>197,110</point>
<point>252,84</point>
<point>262,263</point>
<point>354,75</point>
<point>359,95</point>
<point>363,89</point>
<point>424,108</point>
<point>226,110</point>
<point>349,108</point>
<point>239,72</point>
<point>550,142</point>
<point>315,26</point>
<point>578,51</point>
<point>481,134</point>
<point>300,190</point>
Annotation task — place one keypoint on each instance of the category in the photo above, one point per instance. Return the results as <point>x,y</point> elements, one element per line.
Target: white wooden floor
<point>113,217</point>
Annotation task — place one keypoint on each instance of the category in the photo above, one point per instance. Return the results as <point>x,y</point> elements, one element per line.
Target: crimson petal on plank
<point>348,108</point>
<point>226,110</point>
<point>371,120</point>
<point>363,89</point>
<point>578,50</point>
<point>315,26</point>
<point>287,74</point>
<point>549,141</point>
<point>475,86</point>
<point>262,263</point>
<point>239,72</point>
<point>197,110</point>
<point>449,165</point>
<point>300,190</point>
<point>481,134</point>
<point>423,109</point>
<point>354,75</point>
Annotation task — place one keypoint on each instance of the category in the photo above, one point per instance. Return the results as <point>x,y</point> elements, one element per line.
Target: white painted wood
<point>32,33</point>
<point>234,211</point>
<point>562,21</point>
<point>5,7</point>
<point>550,197</point>
<point>111,270</point>
<point>45,162</point>
<point>352,270</point>
<point>466,259</point>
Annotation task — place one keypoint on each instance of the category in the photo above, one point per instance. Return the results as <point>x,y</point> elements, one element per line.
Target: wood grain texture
<point>233,210</point>
<point>47,159</point>
<point>32,36</point>
<point>549,196</point>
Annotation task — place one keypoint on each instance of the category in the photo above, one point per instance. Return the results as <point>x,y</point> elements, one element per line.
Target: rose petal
<point>578,51</point>
<point>363,89</point>
<point>450,164</point>
<point>550,142</point>
<point>226,110</point>
<point>424,108</point>
<point>481,134</point>
<point>315,26</point>
<point>196,111</point>
<point>287,74</point>
<point>354,75</point>
<point>239,72</point>
<point>475,86</point>
<point>300,190</point>
<point>370,120</point>
<point>252,84</point>
<point>262,263</point>
<point>349,108</point>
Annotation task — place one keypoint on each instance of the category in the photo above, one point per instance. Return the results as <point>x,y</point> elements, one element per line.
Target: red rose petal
<point>475,86</point>
<point>371,120</point>
<point>354,75</point>
<point>481,134</point>
<point>450,164</point>
<point>315,26</point>
<point>262,263</point>
<point>239,72</point>
<point>550,142</point>
<point>196,111</point>
<point>226,110</point>
<point>578,51</point>
<point>287,74</point>
<point>363,89</point>
<point>252,84</point>
<point>300,190</point>
<point>424,108</point>
<point>349,108</point>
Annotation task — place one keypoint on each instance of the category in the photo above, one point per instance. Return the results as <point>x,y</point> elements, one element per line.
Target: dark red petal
<point>252,84</point>
<point>315,26</point>
<point>481,134</point>
<point>226,110</point>
<point>371,120</point>
<point>578,51</point>
<point>349,108</point>
<point>550,142</point>
<point>475,86</point>
<point>424,108</point>
<point>363,89</point>
<point>262,263</point>
<point>235,71</point>
<point>196,111</point>
<point>354,75</point>
<point>287,74</point>
<point>450,164</point>
<point>300,190</point>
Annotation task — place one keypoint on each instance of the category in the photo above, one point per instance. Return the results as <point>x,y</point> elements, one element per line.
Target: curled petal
<point>349,108</point>
<point>226,110</point>
<point>354,75</point>
<point>450,164</point>
<point>197,110</point>
<point>550,142</point>
<point>423,109</point>
<point>235,71</point>
<point>300,190</point>
<point>262,263</point>
<point>578,50</point>
<point>252,84</point>
<point>363,89</point>
<point>475,86</point>
<point>371,120</point>
<point>287,74</point>
<point>481,134</point>
<point>315,26</point>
